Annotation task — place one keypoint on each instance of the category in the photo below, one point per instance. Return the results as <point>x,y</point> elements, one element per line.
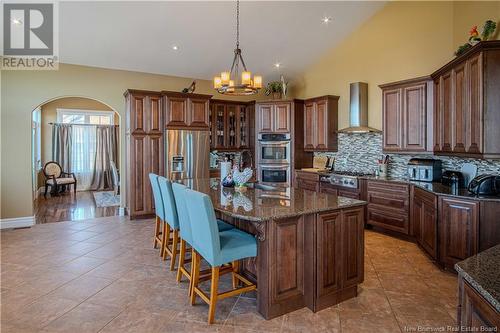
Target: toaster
<point>424,170</point>
<point>485,185</point>
<point>449,176</point>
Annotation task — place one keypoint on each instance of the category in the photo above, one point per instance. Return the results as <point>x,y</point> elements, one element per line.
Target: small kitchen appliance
<point>485,185</point>
<point>450,177</point>
<point>424,170</point>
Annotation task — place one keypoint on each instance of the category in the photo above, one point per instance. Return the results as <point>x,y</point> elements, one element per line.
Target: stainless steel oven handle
<point>284,167</point>
<point>274,143</point>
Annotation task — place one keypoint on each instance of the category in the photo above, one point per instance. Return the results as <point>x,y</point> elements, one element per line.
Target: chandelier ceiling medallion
<point>230,83</point>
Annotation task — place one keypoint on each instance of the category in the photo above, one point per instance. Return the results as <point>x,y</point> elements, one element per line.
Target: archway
<point>93,142</point>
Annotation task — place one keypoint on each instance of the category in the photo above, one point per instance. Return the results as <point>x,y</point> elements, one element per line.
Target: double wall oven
<point>274,158</point>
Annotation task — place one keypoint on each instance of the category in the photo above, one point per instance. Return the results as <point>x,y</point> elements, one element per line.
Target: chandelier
<point>230,83</point>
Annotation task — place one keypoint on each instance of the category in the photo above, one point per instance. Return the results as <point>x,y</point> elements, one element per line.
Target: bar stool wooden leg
<point>164,238</point>
<point>233,275</point>
<point>195,274</point>
<point>214,290</point>
<point>175,242</point>
<point>182,254</point>
<point>157,232</point>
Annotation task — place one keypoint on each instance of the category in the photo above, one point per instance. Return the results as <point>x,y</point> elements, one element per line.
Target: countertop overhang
<point>262,205</point>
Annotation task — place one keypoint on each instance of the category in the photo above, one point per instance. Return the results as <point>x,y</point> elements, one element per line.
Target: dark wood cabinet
<point>145,149</point>
<point>339,256</point>
<point>458,229</point>
<point>475,314</point>
<point>274,117</point>
<point>466,103</point>
<point>321,123</point>
<point>229,125</point>
<point>406,114</point>
<point>186,110</point>
<point>388,205</point>
<point>307,180</point>
<point>423,220</point>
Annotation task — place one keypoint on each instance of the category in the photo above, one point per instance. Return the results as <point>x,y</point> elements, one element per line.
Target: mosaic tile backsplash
<point>360,152</point>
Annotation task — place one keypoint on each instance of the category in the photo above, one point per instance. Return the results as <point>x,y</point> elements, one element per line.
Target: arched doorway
<point>82,135</point>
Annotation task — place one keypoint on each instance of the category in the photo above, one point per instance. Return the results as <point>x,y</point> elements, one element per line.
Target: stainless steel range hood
<point>358,111</point>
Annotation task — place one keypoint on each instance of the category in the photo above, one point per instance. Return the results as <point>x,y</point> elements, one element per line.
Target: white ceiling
<point>139,35</point>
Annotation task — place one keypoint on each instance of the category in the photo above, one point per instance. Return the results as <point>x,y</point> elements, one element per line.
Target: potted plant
<point>275,88</point>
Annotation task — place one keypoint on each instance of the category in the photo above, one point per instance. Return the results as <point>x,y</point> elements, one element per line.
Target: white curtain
<point>83,147</point>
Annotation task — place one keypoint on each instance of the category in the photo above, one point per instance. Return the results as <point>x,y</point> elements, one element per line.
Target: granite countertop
<point>263,205</point>
<point>482,272</point>
<point>437,188</point>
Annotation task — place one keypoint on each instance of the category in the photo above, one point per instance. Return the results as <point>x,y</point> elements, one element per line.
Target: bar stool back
<point>217,248</point>
<point>159,212</point>
<point>171,222</point>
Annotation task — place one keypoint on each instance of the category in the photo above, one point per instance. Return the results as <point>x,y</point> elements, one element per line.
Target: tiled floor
<point>102,275</point>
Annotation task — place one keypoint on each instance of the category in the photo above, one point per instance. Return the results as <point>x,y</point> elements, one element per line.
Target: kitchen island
<point>310,245</point>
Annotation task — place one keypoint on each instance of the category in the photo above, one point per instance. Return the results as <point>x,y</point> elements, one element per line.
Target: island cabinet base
<point>313,260</point>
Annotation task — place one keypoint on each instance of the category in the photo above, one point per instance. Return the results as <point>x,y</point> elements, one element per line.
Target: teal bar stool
<point>217,248</point>
<point>185,231</point>
<point>171,222</point>
<point>159,212</point>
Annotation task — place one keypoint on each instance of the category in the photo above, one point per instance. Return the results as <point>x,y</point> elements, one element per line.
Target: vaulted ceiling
<point>140,36</point>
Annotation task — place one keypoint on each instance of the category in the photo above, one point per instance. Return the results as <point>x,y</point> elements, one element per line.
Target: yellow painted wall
<point>23,91</point>
<point>401,41</point>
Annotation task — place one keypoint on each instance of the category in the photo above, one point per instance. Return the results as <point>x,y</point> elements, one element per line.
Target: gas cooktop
<point>347,179</point>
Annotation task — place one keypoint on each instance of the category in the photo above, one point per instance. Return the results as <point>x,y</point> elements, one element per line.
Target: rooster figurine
<point>190,89</point>
<point>474,36</point>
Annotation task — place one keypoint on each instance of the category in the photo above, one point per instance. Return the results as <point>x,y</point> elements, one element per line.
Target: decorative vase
<point>276,95</point>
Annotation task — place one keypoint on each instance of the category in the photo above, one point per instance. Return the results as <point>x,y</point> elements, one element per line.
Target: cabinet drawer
<point>327,188</point>
<point>312,176</point>
<point>381,217</point>
<point>307,184</point>
<point>392,201</point>
<point>385,186</point>
<point>349,194</point>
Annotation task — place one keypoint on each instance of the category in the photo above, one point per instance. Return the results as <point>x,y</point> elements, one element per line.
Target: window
<point>70,116</point>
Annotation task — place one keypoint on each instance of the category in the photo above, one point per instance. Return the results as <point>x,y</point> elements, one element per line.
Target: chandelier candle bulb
<point>225,78</point>
<point>246,78</point>
<point>231,86</point>
<point>257,81</point>
<point>217,82</point>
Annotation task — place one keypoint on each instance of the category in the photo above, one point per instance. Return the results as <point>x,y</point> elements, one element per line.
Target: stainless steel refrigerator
<point>187,154</point>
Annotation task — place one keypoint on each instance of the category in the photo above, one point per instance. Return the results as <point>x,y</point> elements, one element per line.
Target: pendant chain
<point>237,24</point>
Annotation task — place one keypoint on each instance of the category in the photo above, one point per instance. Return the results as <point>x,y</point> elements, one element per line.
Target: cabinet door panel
<point>199,113</point>
<point>474,141</point>
<point>321,125</point>
<point>438,117</point>
<point>243,127</point>
<point>392,120</point>
<point>446,112</point>
<point>352,247</point>
<point>309,125</point>
<point>220,125</point>
<point>287,254</point>
<point>329,247</point>
<point>155,115</point>
<point>416,217</point>
<point>428,238</point>
<point>282,118</point>
<point>177,112</point>
<point>460,108</point>
<point>458,229</point>
<point>266,118</point>
<point>414,117</point>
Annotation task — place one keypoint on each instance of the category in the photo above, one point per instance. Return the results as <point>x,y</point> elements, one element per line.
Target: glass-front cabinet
<point>229,125</point>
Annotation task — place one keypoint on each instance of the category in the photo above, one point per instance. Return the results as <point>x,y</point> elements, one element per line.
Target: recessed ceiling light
<point>175,47</point>
<point>17,21</point>
<point>326,19</point>
<point>277,65</point>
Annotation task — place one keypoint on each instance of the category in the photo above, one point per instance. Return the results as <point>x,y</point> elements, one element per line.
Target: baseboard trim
<point>17,222</point>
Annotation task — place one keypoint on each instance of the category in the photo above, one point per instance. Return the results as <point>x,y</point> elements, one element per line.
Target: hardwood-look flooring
<point>102,275</point>
<point>69,206</point>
